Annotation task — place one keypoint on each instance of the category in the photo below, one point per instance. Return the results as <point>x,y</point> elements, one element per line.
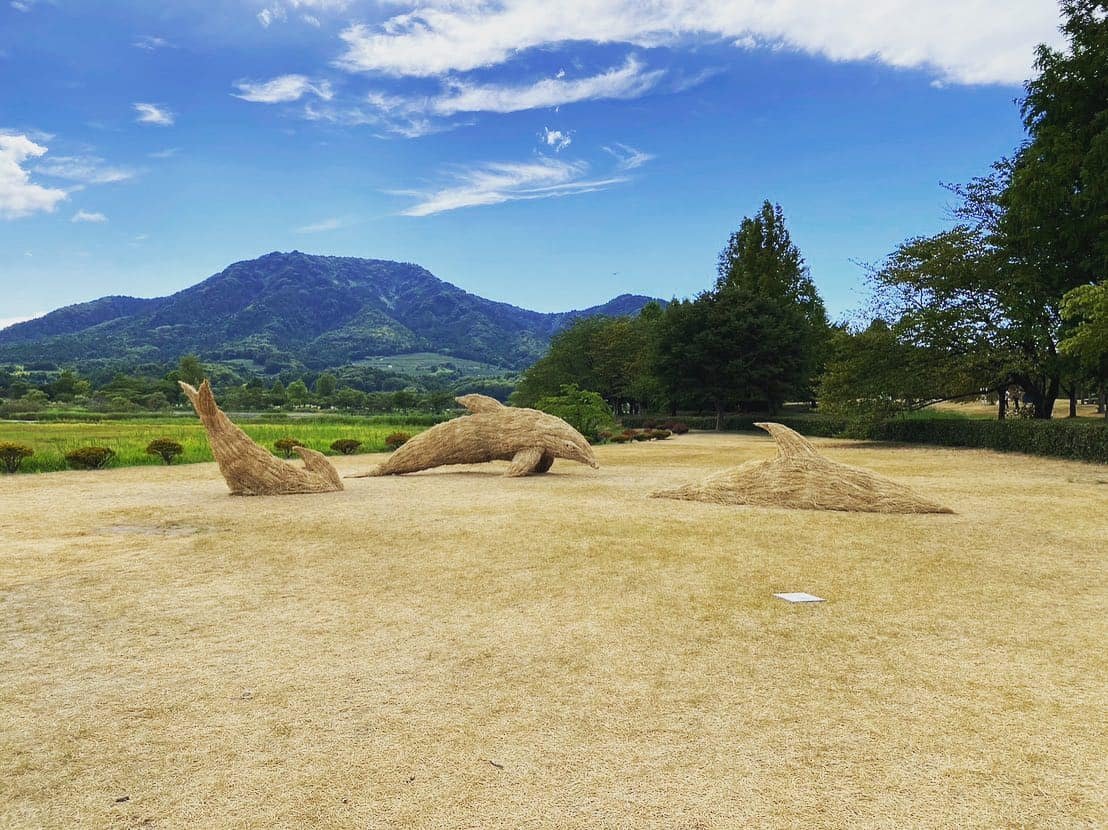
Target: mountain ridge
<point>284,308</point>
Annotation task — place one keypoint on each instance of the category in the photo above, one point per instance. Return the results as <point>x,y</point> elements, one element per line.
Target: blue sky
<point>550,155</point>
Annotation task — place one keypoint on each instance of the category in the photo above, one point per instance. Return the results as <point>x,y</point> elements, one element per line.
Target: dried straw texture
<point>250,470</point>
<point>530,439</point>
<point>800,478</point>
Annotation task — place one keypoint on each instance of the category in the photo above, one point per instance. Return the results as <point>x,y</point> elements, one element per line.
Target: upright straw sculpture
<point>249,469</point>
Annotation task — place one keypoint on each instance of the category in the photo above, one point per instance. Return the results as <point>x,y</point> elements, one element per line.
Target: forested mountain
<point>319,311</point>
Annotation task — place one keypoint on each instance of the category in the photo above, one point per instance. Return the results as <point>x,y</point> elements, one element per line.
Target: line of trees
<point>1013,296</point>
<point>754,340</point>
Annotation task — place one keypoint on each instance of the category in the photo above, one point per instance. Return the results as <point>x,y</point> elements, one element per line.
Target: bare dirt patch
<point>457,649</point>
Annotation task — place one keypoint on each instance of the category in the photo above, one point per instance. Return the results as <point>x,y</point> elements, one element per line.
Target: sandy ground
<point>458,650</point>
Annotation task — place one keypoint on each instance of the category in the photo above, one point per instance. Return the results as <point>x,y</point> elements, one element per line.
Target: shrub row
<point>1082,441</point>
<point>818,425</point>
<point>1078,440</point>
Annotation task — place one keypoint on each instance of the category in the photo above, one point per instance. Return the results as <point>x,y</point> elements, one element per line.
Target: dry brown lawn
<point>458,650</point>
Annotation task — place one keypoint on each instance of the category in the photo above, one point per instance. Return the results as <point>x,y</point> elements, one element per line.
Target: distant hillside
<point>320,311</point>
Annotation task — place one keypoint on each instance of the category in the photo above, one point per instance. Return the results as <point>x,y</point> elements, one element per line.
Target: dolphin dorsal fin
<point>790,443</point>
<point>479,403</point>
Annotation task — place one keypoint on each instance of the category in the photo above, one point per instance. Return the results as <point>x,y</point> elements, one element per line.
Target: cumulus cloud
<point>557,139</point>
<point>89,216</point>
<point>19,196</point>
<point>84,169</point>
<point>282,89</point>
<point>960,42</point>
<point>153,114</point>
<point>493,183</point>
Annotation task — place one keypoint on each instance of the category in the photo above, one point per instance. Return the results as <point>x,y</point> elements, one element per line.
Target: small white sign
<point>799,596</point>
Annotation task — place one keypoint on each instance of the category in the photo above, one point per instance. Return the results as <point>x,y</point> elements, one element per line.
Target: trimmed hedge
<point>1060,438</point>
<point>822,426</point>
<point>1081,441</point>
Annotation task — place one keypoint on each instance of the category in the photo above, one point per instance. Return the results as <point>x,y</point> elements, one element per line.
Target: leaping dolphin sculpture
<point>251,470</point>
<point>802,479</point>
<point>530,439</point>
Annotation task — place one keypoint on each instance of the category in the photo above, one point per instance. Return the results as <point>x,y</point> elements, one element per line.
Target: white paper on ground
<point>799,596</point>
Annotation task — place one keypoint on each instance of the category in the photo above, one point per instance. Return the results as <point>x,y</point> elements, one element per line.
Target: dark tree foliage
<point>165,448</point>
<point>12,455</point>
<point>984,299</point>
<point>346,446</point>
<point>285,445</point>
<point>90,458</point>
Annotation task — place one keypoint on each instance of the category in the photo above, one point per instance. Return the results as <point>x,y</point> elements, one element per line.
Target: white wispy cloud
<point>324,225</point>
<point>282,89</point>
<point>19,196</point>
<point>557,139</point>
<point>279,11</point>
<point>168,152</point>
<point>151,43</point>
<point>392,117</point>
<point>493,183</point>
<point>628,81</point>
<point>412,116</point>
<point>84,169</point>
<point>627,158</point>
<point>153,114</point>
<point>89,216</point>
<point>960,42</point>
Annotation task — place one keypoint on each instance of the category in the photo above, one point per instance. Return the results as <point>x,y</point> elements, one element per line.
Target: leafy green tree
<point>325,385</point>
<point>12,455</point>
<point>876,373</point>
<point>585,411</point>
<point>298,393</point>
<point>1085,308</point>
<point>347,398</point>
<point>67,386</point>
<point>190,370</point>
<point>278,395</point>
<point>165,448</point>
<point>286,445</point>
<point>757,337</point>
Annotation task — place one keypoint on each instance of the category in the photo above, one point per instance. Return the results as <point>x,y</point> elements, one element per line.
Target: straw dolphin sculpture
<point>802,479</point>
<point>251,470</point>
<point>530,439</point>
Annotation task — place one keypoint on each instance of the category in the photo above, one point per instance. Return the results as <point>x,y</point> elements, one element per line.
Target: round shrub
<point>165,448</point>
<point>622,438</point>
<point>12,455</point>
<point>641,436</point>
<point>90,458</point>
<point>346,446</point>
<point>396,440</point>
<point>659,434</point>
<point>677,427</point>
<point>285,445</point>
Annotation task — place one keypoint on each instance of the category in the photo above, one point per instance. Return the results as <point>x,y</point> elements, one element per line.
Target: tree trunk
<point>1102,400</point>
<point>719,416</point>
<point>1002,403</point>
<point>1073,401</point>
